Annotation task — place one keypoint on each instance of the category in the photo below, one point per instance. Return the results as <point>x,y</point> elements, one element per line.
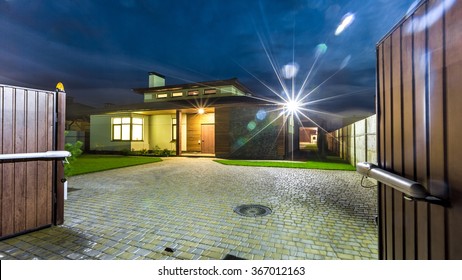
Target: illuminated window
<point>177,94</point>
<point>173,129</point>
<point>137,129</point>
<point>210,91</point>
<point>162,95</point>
<point>127,129</point>
<point>193,92</point>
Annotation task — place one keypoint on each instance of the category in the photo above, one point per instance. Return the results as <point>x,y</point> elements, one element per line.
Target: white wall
<point>101,134</point>
<point>160,132</point>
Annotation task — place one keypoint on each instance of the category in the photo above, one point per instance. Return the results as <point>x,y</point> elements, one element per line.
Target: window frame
<point>174,126</point>
<point>118,124</point>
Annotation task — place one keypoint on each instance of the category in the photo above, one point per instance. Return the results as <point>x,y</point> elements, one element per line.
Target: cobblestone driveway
<point>182,208</point>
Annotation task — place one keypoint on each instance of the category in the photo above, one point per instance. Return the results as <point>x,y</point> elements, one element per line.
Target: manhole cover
<point>252,210</point>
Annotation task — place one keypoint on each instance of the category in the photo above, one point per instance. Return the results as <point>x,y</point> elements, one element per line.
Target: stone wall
<point>356,142</point>
<point>249,132</point>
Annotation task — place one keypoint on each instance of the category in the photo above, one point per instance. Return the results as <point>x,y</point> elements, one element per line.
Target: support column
<point>178,132</point>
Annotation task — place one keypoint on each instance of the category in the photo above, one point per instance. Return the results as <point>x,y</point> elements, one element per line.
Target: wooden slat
<point>42,145</point>
<point>420,130</point>
<point>1,151</point>
<point>380,150</point>
<point>50,164</point>
<point>388,144</point>
<point>436,141</point>
<point>408,135</point>
<point>8,167</point>
<point>32,174</point>
<point>397,145</point>
<point>20,212</point>
<point>454,131</point>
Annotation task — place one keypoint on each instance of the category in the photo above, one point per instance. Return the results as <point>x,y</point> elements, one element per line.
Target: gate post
<point>60,122</point>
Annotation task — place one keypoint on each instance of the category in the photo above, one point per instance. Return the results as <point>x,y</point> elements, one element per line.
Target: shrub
<point>75,150</point>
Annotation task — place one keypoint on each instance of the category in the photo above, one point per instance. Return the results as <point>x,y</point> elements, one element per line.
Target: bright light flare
<point>201,111</point>
<point>290,70</point>
<point>292,106</point>
<point>347,20</point>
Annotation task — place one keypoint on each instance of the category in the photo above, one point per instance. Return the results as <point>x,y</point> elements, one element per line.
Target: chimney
<point>156,80</point>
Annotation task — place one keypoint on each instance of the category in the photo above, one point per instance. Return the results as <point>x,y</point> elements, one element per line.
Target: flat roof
<point>233,82</point>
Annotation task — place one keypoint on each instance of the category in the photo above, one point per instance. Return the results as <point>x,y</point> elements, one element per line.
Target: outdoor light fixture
<point>292,106</point>
<point>201,111</point>
<point>411,189</point>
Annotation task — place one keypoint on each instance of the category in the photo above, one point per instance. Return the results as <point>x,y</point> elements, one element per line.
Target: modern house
<point>218,118</point>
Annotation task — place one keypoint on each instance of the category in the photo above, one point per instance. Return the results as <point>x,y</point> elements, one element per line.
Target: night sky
<point>100,50</point>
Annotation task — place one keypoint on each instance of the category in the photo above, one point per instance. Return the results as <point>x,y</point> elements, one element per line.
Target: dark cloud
<point>102,49</point>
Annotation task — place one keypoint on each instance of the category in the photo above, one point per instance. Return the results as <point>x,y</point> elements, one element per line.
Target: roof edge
<point>215,83</point>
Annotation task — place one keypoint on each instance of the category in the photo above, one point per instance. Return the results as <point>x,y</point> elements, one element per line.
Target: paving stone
<point>136,212</point>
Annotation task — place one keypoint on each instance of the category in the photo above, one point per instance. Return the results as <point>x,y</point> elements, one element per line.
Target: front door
<point>208,139</point>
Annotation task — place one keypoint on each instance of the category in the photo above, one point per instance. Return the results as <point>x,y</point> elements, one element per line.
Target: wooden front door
<point>208,139</point>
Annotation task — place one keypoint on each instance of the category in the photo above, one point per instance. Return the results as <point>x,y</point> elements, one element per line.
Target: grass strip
<point>89,163</point>
<point>324,165</point>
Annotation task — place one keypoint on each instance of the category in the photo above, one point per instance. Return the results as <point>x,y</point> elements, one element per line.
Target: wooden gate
<point>32,194</point>
<point>419,118</point>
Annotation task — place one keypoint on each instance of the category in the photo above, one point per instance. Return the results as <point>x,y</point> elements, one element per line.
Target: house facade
<point>214,118</point>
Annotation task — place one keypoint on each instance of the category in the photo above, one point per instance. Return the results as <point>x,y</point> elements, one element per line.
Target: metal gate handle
<point>42,155</point>
<point>411,189</point>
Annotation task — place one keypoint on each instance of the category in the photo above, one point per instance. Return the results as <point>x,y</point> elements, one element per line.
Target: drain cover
<point>252,210</point>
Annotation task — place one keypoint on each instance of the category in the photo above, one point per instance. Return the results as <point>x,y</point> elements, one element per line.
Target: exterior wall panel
<point>418,110</point>
<point>453,132</point>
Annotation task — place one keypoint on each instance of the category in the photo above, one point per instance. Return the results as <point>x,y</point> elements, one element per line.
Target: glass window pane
<point>125,132</point>
<point>125,120</point>
<point>210,91</point>
<point>116,120</point>
<point>137,121</point>
<point>174,132</point>
<point>137,133</point>
<point>116,132</point>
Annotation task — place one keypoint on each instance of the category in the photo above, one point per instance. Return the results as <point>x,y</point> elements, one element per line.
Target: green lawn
<point>330,163</point>
<point>94,163</point>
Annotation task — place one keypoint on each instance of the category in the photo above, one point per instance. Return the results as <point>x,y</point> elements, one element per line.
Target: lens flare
<point>292,106</point>
<point>290,70</point>
<point>251,125</point>
<point>345,62</point>
<point>347,20</point>
<point>321,49</point>
<point>261,115</point>
<point>420,23</point>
